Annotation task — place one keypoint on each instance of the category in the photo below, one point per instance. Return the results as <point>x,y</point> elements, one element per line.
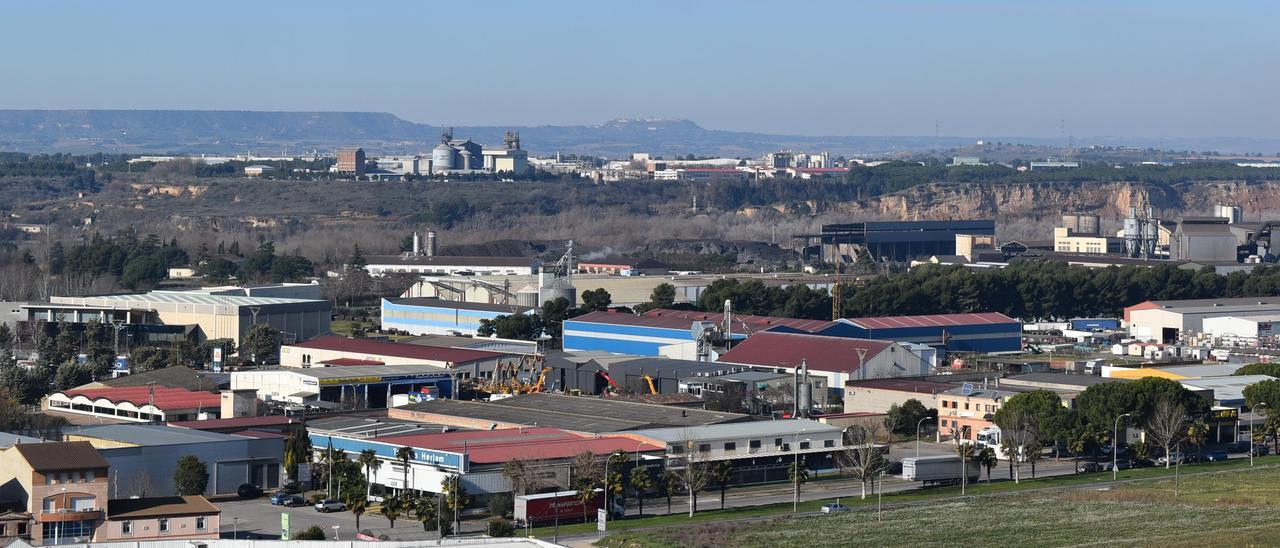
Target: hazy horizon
<point>1087,69</point>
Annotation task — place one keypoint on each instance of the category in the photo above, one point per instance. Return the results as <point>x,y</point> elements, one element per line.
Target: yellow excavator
<point>652,388</point>
<point>542,378</point>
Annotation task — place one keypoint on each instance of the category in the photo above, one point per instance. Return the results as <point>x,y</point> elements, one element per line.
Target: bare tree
<point>1166,427</point>
<point>140,485</point>
<point>693,471</point>
<point>861,457</point>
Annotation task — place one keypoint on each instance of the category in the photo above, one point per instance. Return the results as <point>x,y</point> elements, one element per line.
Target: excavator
<point>615,389</point>
<point>652,388</point>
<point>542,379</point>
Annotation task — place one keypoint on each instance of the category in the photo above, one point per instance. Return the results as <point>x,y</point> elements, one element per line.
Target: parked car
<point>833,508</point>
<point>286,499</point>
<point>1091,467</point>
<point>1142,463</point>
<point>291,487</point>
<point>1216,456</point>
<point>330,505</point>
<point>1260,450</point>
<point>1173,458</point>
<point>249,491</point>
<point>1239,447</point>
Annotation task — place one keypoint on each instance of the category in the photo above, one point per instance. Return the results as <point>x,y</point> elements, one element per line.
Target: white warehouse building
<point>1166,321</point>
<point>1243,330</point>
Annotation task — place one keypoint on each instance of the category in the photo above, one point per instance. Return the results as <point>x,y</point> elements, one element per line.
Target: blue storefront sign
<point>442,459</point>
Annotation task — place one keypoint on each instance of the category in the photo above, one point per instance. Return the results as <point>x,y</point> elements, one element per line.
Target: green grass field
<point>1232,507</point>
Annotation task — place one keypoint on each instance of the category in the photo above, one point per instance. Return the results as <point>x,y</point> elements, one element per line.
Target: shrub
<point>311,533</point>
<point>499,527</point>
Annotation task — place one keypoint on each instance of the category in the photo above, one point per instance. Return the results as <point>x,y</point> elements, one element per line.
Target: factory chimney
<point>431,243</point>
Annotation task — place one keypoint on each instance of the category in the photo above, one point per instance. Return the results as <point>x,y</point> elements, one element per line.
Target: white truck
<point>938,470</point>
<point>990,437</point>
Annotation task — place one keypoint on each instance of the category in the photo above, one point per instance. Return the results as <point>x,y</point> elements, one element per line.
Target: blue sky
<point>818,68</point>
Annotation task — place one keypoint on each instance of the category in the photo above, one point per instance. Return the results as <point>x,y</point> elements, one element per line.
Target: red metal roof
<point>397,350</point>
<point>931,320</point>
<point>236,423</point>
<point>259,434</point>
<point>166,399</point>
<point>833,354</point>
<point>683,319</point>
<point>351,361</point>
<point>497,446</point>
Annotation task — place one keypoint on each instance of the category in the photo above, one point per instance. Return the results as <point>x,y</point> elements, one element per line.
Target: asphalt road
<point>257,518</point>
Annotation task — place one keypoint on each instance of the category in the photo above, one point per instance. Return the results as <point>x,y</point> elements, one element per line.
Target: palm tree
<point>987,459</point>
<point>1198,434</point>
<point>640,482</point>
<point>424,508</point>
<point>392,509</point>
<point>404,455</point>
<point>965,451</point>
<point>721,475</point>
<point>357,509</point>
<point>369,460</point>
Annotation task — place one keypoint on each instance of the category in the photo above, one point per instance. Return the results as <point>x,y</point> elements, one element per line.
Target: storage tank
<point>1071,221</point>
<point>431,243</point>
<point>442,157</point>
<point>554,288</point>
<point>1089,224</point>
<point>528,296</point>
<point>466,159</point>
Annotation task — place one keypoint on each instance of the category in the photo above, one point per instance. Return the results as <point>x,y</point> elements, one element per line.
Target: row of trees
<point>1024,289</point>
<point>349,481</point>
<point>137,262</point>
<point>899,175</point>
<point>1032,421</point>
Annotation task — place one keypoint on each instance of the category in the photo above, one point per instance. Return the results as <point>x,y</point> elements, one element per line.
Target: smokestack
<point>417,243</point>
<point>431,243</point>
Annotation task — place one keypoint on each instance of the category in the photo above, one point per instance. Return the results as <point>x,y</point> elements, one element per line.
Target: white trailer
<point>938,469</point>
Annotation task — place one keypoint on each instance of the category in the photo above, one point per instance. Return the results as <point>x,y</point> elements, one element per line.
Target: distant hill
<point>265,133</point>
<point>224,132</point>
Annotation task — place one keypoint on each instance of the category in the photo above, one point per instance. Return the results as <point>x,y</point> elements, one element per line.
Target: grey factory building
<point>889,240</point>
<point>143,457</point>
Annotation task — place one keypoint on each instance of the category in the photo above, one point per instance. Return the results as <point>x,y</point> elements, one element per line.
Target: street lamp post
<point>879,494</point>
<point>235,524</point>
<point>607,502</point>
<point>919,425</point>
<point>795,473</point>
<point>1253,417</point>
<point>1115,443</point>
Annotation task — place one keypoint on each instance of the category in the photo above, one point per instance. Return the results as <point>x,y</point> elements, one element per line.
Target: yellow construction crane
<point>542,378</point>
<point>652,389</point>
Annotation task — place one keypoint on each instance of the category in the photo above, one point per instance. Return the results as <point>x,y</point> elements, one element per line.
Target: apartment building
<point>63,486</point>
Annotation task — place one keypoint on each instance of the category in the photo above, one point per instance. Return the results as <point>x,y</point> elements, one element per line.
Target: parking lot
<point>257,518</point>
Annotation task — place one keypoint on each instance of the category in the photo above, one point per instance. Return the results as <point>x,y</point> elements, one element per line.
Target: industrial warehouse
<point>200,315</point>
<point>749,396</point>
<point>424,316</point>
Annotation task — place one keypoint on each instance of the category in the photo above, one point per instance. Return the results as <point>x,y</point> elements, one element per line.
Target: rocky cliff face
<point>1043,201</point>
